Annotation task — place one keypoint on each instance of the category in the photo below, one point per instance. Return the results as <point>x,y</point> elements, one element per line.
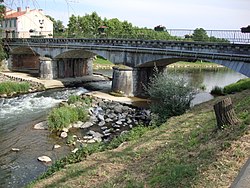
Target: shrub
<point>217,91</point>
<point>170,95</point>
<point>241,85</point>
<point>60,118</point>
<point>74,98</point>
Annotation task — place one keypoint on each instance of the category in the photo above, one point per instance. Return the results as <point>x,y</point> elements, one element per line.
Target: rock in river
<point>45,159</point>
<point>41,126</point>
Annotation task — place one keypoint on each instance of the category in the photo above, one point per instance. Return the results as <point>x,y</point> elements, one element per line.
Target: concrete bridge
<point>59,58</point>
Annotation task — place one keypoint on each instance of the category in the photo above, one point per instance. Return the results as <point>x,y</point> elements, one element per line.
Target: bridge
<point>58,58</point>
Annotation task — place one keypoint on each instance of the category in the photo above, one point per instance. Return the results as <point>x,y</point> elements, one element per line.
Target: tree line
<point>93,26</point>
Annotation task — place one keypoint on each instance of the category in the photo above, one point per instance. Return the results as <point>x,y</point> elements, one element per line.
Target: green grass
<point>186,151</point>
<point>102,61</point>
<point>195,64</point>
<point>62,117</point>
<point>241,85</point>
<point>11,87</point>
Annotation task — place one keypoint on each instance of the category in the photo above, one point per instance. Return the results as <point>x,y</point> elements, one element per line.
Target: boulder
<point>102,123</point>
<point>100,117</point>
<point>41,126</point>
<point>86,125</point>
<point>77,124</point>
<point>119,122</point>
<point>56,146</point>
<point>95,134</point>
<point>45,159</point>
<point>65,130</point>
<point>64,135</point>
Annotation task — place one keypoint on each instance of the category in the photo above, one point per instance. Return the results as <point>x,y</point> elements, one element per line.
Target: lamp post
<point>41,26</point>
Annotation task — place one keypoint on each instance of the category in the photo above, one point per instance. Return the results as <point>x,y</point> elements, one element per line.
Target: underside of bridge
<point>73,63</point>
<point>25,60</point>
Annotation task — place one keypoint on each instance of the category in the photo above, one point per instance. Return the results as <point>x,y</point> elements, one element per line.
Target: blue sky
<point>177,14</point>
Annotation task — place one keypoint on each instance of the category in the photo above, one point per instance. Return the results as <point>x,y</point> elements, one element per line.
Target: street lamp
<point>41,26</point>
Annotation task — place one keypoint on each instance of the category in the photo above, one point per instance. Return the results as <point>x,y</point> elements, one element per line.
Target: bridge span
<point>58,58</point>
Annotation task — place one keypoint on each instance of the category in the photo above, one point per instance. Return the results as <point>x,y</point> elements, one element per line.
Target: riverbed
<point>19,115</point>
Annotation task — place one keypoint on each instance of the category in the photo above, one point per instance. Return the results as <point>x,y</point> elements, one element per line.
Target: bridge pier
<point>132,81</point>
<point>46,68</point>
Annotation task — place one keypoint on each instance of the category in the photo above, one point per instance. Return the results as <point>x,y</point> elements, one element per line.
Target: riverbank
<point>105,64</point>
<point>185,151</point>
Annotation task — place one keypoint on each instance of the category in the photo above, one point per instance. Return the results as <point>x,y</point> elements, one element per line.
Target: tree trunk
<point>225,114</point>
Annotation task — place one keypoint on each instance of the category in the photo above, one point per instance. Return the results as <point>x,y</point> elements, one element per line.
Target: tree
<point>2,52</point>
<point>200,35</point>
<point>170,95</point>
<point>58,26</point>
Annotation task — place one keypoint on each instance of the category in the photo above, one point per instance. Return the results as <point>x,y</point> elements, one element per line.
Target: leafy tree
<point>200,35</point>
<point>2,52</point>
<point>58,26</point>
<point>170,95</point>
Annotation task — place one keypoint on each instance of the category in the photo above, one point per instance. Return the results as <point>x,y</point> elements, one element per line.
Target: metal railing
<point>228,36</point>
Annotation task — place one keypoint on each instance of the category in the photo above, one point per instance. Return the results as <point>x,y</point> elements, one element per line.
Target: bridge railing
<point>221,36</point>
<point>233,36</point>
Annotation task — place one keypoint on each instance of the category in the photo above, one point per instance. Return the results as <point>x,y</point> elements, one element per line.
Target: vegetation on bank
<point>187,150</point>
<point>9,87</point>
<point>63,116</point>
<point>241,85</point>
<point>170,96</point>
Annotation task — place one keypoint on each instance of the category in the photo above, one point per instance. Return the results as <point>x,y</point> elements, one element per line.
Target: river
<point>19,115</point>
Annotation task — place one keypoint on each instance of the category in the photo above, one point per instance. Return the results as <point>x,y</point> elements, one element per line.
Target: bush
<point>217,91</point>
<point>170,95</point>
<point>10,87</point>
<point>60,118</point>
<point>241,85</point>
<point>74,98</point>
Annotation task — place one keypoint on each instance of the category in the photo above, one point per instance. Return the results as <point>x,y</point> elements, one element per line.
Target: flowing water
<point>18,116</point>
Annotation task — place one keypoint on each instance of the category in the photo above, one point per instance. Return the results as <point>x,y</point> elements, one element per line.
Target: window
<point>14,22</point>
<point>6,23</point>
<point>10,23</point>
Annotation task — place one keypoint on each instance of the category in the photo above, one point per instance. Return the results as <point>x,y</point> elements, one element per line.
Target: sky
<point>173,14</point>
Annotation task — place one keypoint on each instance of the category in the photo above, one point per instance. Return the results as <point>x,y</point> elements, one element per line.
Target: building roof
<point>14,15</point>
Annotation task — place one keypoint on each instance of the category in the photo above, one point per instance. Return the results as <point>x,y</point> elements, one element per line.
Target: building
<point>26,23</point>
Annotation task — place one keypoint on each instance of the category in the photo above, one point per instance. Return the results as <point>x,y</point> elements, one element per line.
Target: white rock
<point>97,139</point>
<point>77,124</point>
<point>75,150</point>
<point>108,120</point>
<point>41,126</point>
<point>100,117</point>
<point>91,141</point>
<point>119,122</point>
<point>86,125</point>
<point>65,130</point>
<point>87,137</point>
<point>56,146</point>
<point>95,134</point>
<point>102,123</point>
<point>45,159</point>
<point>64,134</point>
<point>15,149</point>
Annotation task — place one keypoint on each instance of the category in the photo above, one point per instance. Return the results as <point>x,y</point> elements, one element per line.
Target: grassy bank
<point>101,63</point>
<point>9,87</point>
<point>186,151</point>
<point>239,86</point>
